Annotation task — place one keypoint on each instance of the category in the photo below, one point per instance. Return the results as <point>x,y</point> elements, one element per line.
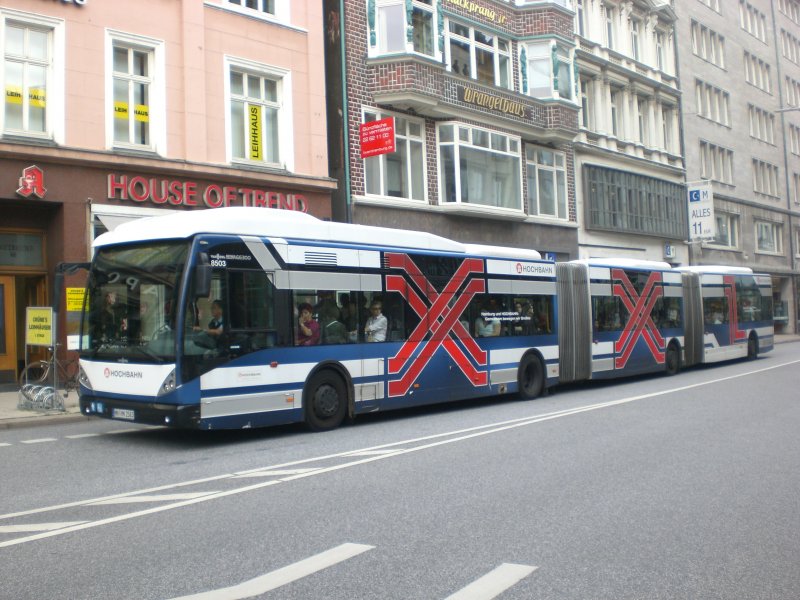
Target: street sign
<point>702,225</point>
<point>377,137</point>
<point>39,326</point>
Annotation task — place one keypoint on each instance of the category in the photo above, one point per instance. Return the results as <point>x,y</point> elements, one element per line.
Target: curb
<point>41,419</point>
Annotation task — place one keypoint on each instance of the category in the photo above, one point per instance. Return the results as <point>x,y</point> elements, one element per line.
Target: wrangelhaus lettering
<point>492,102</point>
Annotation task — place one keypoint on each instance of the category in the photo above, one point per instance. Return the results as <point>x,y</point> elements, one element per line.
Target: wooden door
<point>8,330</point>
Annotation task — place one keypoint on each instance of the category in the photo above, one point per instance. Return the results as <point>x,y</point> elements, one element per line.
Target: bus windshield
<point>132,302</point>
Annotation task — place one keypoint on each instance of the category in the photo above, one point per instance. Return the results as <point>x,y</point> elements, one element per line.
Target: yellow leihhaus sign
<point>39,326</point>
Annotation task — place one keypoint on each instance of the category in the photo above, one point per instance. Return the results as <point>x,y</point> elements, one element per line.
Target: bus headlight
<point>83,379</point>
<point>168,385</point>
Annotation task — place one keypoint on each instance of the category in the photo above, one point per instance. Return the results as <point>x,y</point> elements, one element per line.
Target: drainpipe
<point>346,117</point>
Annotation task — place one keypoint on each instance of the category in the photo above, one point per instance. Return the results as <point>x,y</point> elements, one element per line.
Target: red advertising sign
<point>377,137</point>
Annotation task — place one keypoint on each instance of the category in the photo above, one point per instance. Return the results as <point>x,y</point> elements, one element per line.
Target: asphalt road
<point>661,487</point>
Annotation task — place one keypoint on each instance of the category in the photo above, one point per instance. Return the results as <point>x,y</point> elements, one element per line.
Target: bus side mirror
<point>202,276</point>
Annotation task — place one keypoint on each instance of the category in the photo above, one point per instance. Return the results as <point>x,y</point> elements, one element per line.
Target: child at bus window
<point>377,324</point>
<point>308,328</point>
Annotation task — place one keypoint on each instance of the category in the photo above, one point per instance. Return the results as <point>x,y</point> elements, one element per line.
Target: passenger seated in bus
<point>376,326</point>
<point>334,332</point>
<point>308,328</point>
<point>487,324</point>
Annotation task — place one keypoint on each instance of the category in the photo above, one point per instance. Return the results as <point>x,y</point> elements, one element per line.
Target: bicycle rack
<point>44,398</point>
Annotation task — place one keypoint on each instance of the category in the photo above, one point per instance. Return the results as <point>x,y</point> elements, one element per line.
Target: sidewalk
<point>11,416</point>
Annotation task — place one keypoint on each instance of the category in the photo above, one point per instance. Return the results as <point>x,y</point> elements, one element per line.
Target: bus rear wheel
<point>325,401</point>
<point>752,348</point>
<point>530,377</point>
<point>673,360</point>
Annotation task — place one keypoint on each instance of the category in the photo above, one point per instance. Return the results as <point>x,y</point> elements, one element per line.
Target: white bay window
<point>479,167</point>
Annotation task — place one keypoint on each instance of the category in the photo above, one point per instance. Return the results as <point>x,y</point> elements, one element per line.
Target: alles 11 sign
<point>175,192</point>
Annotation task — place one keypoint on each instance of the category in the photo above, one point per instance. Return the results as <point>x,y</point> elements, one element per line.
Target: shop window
<point>400,174</point>
<point>33,57</point>
<point>259,108</point>
<point>479,167</point>
<point>547,183</point>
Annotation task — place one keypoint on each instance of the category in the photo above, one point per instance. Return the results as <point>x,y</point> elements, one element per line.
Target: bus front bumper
<point>149,413</point>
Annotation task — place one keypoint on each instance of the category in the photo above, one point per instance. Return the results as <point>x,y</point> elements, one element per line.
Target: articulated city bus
<point>247,317</point>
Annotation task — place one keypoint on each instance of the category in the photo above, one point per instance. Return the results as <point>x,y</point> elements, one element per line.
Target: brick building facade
<point>483,125</point>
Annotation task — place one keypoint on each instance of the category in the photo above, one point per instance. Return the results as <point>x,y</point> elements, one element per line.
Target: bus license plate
<point>123,413</point>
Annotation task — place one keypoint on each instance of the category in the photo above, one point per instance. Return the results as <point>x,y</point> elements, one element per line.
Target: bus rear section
<point>736,311</point>
<point>627,318</point>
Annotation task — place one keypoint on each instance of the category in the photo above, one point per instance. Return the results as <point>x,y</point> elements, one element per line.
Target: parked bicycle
<point>40,372</point>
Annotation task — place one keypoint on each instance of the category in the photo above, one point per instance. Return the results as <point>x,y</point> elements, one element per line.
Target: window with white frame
<point>399,174</point>
<point>586,103</point>
<point>479,167</point>
<point>790,46</point>
<point>769,237</point>
<point>794,139</point>
<point>389,32</point>
<point>765,178</point>
<point>661,45</point>
<point>478,54</point>
<point>791,8</point>
<point>260,131</point>
<point>614,105</point>
<point>136,92</point>
<point>550,70</point>
<point>278,9</point>
<point>611,16</point>
<point>667,125</point>
<point>580,18</point>
<point>643,120</point>
<point>792,92</point>
<point>716,163</point>
<point>712,4</point>
<point>727,230</point>
<point>762,124</point>
<point>757,72</point>
<point>796,188</point>
<point>708,44</point>
<point>32,75</point>
<point>636,32</point>
<point>752,20</point>
<point>547,183</point>
<point>712,102</point>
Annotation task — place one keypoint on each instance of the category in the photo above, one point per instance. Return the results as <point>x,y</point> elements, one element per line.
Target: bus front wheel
<point>530,377</point>
<point>325,401</point>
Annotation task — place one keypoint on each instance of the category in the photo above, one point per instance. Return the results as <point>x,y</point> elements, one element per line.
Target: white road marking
<point>26,527</point>
<point>131,430</point>
<point>79,436</point>
<point>39,441</point>
<point>373,452</point>
<point>494,583</point>
<point>158,498</point>
<point>469,433</point>
<point>275,579</point>
<point>272,473</point>
<point>4,444</point>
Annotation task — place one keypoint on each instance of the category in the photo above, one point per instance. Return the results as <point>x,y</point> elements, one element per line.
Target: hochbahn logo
<point>439,319</point>
<point>640,324</point>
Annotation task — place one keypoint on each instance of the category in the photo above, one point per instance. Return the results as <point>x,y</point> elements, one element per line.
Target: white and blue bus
<point>248,317</point>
